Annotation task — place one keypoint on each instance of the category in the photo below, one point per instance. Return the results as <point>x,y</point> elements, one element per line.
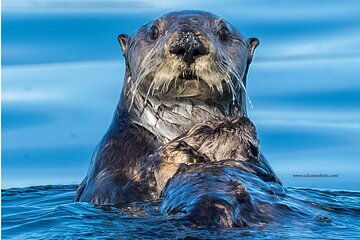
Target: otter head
<point>188,55</point>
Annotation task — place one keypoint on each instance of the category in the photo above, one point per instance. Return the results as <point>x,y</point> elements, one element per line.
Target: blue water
<point>47,212</point>
<point>62,73</point>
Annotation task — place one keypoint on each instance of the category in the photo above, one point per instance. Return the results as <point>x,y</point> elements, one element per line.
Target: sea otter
<point>183,70</point>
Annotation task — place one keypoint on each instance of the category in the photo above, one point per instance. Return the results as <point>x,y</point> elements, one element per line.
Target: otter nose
<point>189,47</point>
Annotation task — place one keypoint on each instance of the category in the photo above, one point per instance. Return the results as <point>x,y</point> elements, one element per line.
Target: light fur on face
<point>164,70</point>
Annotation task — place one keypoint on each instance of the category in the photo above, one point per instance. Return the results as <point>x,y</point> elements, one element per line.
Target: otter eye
<point>154,33</point>
<point>223,33</point>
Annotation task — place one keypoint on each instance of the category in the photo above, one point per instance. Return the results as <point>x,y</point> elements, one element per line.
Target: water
<point>48,212</point>
<point>62,73</point>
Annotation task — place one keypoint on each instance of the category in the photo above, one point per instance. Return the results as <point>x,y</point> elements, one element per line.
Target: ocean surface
<point>48,212</point>
<point>62,73</point>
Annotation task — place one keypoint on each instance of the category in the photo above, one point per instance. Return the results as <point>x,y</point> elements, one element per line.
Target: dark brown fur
<point>148,117</point>
<point>214,175</point>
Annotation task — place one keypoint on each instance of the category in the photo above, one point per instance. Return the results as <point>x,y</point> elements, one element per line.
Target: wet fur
<point>163,122</point>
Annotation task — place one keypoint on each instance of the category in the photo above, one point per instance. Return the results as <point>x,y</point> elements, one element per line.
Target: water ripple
<point>27,212</point>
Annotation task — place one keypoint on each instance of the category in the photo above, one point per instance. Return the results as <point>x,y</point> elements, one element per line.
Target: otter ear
<point>253,43</point>
<point>124,40</point>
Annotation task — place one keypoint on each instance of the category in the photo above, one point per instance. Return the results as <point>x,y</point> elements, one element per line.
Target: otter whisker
<point>147,65</point>
<point>142,75</point>
<point>228,66</point>
<point>243,87</point>
<point>227,80</point>
<point>147,94</point>
<point>167,87</point>
<point>236,74</point>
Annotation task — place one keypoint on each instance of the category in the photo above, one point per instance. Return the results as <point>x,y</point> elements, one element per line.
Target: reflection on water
<point>61,79</point>
<point>302,213</point>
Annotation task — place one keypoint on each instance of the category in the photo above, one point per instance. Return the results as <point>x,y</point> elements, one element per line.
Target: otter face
<point>188,54</point>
